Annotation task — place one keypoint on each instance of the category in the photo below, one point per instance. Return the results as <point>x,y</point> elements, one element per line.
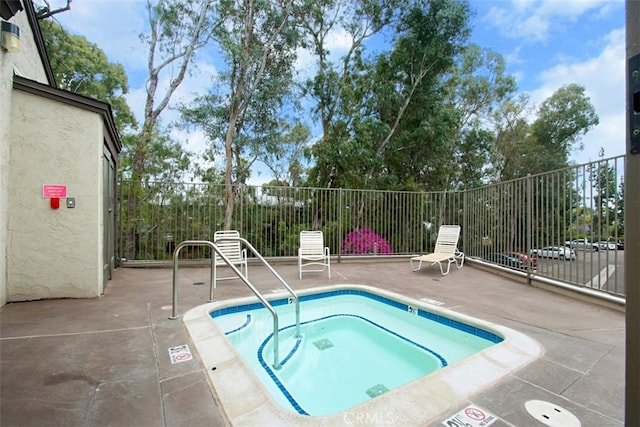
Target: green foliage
<point>545,145</point>
<point>240,115</point>
<point>513,145</point>
<point>564,117</point>
<point>608,202</point>
<point>80,66</point>
<point>385,120</point>
<point>478,84</point>
<point>473,157</point>
<point>166,159</point>
<point>342,86</point>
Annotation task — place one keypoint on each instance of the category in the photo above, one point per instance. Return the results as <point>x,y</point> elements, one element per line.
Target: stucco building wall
<point>26,63</point>
<point>54,253</point>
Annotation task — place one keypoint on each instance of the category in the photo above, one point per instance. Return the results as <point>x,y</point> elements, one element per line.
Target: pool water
<point>353,346</point>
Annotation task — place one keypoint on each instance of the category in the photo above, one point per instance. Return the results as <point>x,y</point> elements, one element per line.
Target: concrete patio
<point>105,361</point>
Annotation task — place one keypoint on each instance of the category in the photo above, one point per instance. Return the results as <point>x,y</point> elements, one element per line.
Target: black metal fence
<point>580,207</point>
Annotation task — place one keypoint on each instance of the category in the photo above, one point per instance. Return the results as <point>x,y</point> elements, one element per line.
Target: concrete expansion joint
<point>182,389</point>
<point>197,371</point>
<point>69,334</point>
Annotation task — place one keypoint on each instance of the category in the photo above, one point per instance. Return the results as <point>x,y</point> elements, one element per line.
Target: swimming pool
<point>353,346</point>
<point>389,329</point>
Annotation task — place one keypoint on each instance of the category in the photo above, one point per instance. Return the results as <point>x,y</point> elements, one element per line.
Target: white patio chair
<point>312,252</point>
<point>233,250</point>
<point>446,250</point>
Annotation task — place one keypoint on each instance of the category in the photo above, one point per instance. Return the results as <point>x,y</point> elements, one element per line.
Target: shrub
<point>365,241</point>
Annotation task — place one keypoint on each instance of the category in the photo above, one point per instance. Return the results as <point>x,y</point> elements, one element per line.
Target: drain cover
<point>198,283</point>
<point>551,414</point>
<point>323,344</point>
<point>377,390</point>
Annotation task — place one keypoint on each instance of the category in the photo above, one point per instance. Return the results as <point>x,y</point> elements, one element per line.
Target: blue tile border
<point>275,379</point>
<point>292,352</point>
<point>282,387</point>
<point>474,330</point>
<point>470,329</point>
<point>244,325</point>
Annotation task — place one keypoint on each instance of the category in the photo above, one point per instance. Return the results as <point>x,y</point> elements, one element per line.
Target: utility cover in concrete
<point>551,414</point>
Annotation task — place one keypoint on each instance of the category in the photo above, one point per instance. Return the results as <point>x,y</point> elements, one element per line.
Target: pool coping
<point>246,402</point>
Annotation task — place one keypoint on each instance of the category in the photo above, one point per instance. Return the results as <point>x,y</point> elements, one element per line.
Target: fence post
<point>119,222</point>
<point>529,244</point>
<point>465,248</point>
<point>340,224</point>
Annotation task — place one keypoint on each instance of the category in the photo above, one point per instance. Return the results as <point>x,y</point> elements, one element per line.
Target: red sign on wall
<point>51,191</point>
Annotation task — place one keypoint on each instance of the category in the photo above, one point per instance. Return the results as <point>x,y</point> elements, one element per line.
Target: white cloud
<point>534,20</point>
<point>603,77</point>
<point>338,42</point>
<point>609,135</point>
<point>113,25</point>
<point>194,141</point>
<point>572,8</point>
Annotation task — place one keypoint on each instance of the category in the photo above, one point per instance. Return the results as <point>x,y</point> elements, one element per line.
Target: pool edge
<point>245,400</point>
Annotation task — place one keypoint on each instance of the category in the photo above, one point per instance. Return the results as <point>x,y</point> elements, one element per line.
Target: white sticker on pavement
<point>471,416</point>
<point>179,354</point>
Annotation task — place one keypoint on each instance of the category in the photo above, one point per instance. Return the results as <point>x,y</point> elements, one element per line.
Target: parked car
<point>525,259</point>
<point>559,252</point>
<point>608,246</point>
<point>505,259</point>
<point>584,244</point>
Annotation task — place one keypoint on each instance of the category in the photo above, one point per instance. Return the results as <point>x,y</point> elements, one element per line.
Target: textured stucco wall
<point>54,253</point>
<point>28,64</point>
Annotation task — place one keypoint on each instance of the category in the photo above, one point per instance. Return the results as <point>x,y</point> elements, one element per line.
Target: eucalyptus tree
<point>240,115</point>
<point>80,66</point>
<point>513,144</point>
<point>380,113</point>
<point>562,120</point>
<point>473,157</point>
<point>477,86</point>
<point>166,159</point>
<point>158,195</point>
<point>606,199</point>
<point>413,126</point>
<point>523,148</point>
<point>341,85</point>
<point>177,30</point>
<point>285,163</point>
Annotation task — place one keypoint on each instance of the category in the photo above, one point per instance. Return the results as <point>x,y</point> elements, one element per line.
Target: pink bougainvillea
<point>365,241</point>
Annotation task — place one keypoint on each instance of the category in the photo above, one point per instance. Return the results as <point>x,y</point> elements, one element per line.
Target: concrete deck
<point>105,361</point>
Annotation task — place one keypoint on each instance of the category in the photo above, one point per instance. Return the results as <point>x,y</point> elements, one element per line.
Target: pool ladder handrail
<point>296,300</point>
<point>268,306</point>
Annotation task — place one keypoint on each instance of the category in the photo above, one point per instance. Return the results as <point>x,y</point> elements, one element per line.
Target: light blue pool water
<point>354,346</point>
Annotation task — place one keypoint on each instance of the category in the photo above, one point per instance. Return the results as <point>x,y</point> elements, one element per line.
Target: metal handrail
<point>266,264</point>
<point>174,315</point>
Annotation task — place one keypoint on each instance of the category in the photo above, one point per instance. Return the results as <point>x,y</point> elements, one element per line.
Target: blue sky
<point>546,43</point>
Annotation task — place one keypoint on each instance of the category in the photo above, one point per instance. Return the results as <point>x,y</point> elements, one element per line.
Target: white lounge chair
<point>446,250</point>
<point>233,250</point>
<point>312,252</point>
